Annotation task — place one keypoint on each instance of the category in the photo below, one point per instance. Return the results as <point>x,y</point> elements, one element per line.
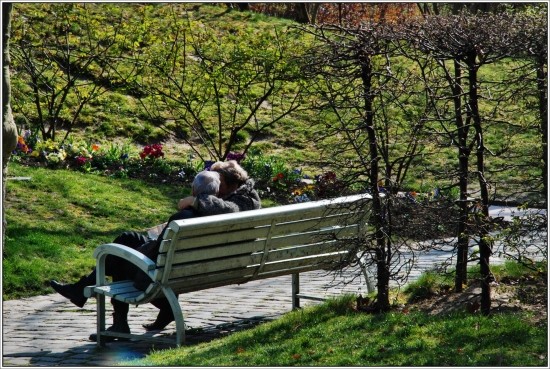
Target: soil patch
<point>526,294</point>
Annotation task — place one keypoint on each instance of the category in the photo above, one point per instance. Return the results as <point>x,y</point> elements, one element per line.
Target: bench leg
<point>100,318</point>
<point>100,281</point>
<point>366,274</point>
<point>178,315</point>
<point>295,291</point>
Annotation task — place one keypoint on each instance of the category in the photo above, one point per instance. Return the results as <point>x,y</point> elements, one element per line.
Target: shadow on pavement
<point>115,353</point>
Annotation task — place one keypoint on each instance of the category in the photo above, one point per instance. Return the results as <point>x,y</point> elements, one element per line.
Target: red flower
<point>278,177</point>
<point>81,160</point>
<point>154,151</point>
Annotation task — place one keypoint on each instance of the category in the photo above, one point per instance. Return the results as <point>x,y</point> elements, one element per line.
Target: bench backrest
<point>218,250</point>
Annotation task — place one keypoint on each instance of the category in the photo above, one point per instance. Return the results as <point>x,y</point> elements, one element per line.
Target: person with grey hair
<point>205,183</point>
<point>236,193</point>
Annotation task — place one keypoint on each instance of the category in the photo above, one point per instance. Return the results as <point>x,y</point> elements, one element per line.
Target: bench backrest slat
<point>235,248</point>
<point>240,276</point>
<point>257,229</point>
<point>207,266</point>
<point>249,247</point>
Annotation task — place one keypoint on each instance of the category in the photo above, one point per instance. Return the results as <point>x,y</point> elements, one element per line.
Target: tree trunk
<point>9,130</point>
<point>302,15</point>
<point>383,274</point>
<point>243,6</point>
<point>543,111</point>
<point>485,246</point>
<point>463,159</point>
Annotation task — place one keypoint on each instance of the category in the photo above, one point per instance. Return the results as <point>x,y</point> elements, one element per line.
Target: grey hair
<point>207,182</point>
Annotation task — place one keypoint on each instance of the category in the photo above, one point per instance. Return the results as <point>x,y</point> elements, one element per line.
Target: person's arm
<point>186,202</point>
<point>212,205</point>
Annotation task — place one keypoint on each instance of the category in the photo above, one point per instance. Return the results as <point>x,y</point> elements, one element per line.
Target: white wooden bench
<point>213,251</point>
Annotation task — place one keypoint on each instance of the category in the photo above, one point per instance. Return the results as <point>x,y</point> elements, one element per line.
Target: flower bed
<point>274,179</point>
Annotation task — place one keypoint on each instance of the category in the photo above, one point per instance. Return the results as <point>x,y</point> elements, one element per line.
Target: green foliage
<point>274,178</point>
<point>514,270</point>
<point>221,85</point>
<point>223,51</point>
<point>427,285</point>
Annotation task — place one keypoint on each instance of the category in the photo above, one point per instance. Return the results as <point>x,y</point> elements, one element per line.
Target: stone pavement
<point>51,331</point>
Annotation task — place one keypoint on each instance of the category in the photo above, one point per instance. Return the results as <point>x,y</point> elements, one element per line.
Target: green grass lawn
<point>57,218</point>
<point>334,334</point>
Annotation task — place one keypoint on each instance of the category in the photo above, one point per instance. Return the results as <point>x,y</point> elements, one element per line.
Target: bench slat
<point>121,290</point>
<point>216,251</point>
<point>254,260</point>
<point>243,275</point>
<point>212,252</point>
<point>246,219</point>
<point>261,230</point>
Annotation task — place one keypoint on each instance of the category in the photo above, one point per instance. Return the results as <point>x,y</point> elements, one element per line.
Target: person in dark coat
<point>236,193</point>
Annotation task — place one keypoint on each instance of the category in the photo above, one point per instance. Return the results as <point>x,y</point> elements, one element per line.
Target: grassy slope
<point>56,219</point>
<point>334,334</point>
<point>118,113</point>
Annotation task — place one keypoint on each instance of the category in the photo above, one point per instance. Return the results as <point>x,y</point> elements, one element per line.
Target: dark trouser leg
<point>120,321</point>
<point>75,291</point>
<point>131,239</point>
<point>164,317</point>
<point>114,266</point>
<point>120,314</point>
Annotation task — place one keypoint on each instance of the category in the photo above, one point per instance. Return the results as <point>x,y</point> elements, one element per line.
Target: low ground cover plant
<point>276,181</point>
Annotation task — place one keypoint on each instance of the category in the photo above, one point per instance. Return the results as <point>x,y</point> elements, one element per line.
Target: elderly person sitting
<point>237,192</point>
<point>226,188</point>
<point>205,182</point>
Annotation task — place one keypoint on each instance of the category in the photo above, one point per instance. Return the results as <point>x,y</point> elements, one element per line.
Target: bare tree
<point>532,46</point>
<point>462,45</point>
<point>526,236</point>
<point>307,12</point>
<point>216,93</point>
<point>67,69</point>
<point>361,94</point>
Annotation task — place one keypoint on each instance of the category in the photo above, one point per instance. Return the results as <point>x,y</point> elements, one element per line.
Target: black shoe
<point>118,327</point>
<point>163,319</point>
<point>73,292</point>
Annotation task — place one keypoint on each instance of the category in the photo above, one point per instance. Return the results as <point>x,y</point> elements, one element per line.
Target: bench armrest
<point>135,257</point>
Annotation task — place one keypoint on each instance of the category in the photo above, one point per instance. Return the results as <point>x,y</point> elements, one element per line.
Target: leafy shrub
<point>273,177</point>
